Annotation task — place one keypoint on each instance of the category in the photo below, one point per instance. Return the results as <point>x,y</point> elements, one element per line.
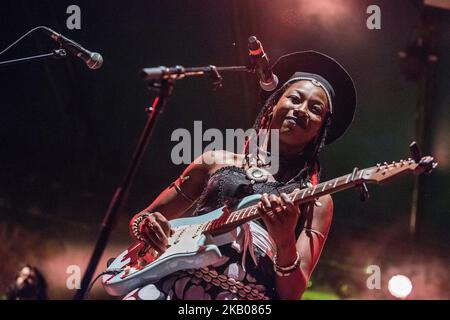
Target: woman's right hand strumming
<point>153,229</point>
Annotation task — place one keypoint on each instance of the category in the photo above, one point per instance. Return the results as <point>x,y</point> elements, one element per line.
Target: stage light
<point>400,286</point>
<point>324,8</point>
<point>327,14</point>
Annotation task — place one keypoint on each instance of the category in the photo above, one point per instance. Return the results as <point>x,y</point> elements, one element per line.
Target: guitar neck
<point>230,220</point>
<point>377,174</point>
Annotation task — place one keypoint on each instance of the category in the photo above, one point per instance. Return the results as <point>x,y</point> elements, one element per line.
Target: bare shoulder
<point>216,159</point>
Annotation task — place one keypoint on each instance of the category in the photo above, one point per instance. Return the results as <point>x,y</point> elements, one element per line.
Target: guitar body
<point>189,248</point>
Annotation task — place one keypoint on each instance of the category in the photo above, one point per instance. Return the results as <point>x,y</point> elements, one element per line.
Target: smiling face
<point>299,115</point>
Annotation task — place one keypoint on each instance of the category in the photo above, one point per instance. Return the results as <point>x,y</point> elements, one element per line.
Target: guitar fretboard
<point>233,219</point>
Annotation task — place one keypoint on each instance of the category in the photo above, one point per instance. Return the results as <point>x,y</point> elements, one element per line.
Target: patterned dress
<point>246,269</point>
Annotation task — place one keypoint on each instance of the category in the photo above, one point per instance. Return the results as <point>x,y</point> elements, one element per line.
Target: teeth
<point>300,122</point>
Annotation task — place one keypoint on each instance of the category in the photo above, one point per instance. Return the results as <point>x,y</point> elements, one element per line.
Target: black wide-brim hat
<point>344,102</point>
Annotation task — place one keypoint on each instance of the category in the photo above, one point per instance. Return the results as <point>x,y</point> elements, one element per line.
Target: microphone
<point>260,63</point>
<point>92,59</point>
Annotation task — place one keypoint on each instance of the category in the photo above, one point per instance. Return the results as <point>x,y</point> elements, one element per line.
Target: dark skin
<point>299,115</point>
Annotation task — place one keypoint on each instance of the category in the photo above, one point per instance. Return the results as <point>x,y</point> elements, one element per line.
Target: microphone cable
<point>22,37</point>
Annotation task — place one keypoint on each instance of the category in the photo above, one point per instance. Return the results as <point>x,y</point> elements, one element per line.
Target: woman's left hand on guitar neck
<point>280,216</point>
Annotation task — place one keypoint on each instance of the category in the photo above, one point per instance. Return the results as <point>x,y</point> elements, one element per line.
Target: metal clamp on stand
<point>361,187</point>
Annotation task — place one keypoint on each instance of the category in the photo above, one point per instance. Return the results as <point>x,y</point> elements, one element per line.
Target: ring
<point>279,209</point>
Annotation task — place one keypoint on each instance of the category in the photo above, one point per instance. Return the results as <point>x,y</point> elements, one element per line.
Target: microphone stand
<point>163,81</point>
<point>58,53</point>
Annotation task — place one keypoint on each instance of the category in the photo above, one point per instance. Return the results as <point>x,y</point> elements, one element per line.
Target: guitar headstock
<point>385,171</point>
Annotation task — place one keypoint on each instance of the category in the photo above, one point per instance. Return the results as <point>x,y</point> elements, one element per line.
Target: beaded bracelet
<point>134,226</point>
<point>286,271</point>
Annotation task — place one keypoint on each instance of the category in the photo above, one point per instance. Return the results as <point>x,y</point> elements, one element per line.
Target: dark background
<point>67,132</point>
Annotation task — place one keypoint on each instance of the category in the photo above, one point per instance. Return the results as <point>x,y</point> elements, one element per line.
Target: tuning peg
<point>415,151</point>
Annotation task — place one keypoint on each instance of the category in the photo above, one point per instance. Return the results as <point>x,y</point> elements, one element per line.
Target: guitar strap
<point>250,235</point>
<point>248,241</point>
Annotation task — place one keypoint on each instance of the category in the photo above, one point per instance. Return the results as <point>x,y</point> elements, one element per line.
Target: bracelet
<point>286,271</point>
<point>178,189</point>
<point>134,226</point>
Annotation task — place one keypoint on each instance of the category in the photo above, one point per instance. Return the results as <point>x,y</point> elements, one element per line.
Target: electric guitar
<point>195,242</point>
